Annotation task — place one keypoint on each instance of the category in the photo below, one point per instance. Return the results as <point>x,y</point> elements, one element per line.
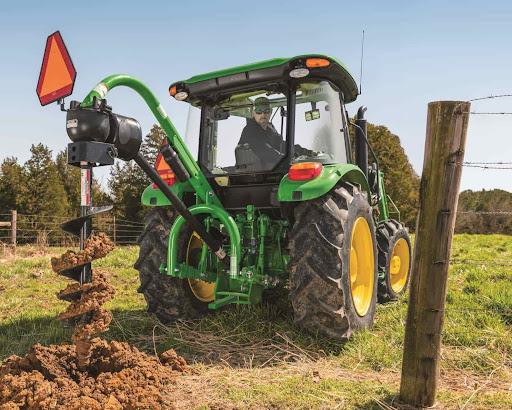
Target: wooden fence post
<point>14,219</point>
<point>114,230</point>
<point>447,123</point>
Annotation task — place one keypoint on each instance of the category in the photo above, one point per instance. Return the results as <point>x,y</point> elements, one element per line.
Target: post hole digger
<point>272,194</point>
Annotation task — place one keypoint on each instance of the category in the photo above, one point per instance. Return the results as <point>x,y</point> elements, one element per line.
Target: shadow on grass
<point>387,401</point>
<point>245,336</point>
<point>238,336</point>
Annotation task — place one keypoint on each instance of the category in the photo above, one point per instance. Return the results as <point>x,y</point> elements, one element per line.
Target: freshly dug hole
<point>118,376</point>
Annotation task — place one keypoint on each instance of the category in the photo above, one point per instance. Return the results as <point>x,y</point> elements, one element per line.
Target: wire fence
<point>45,230</point>
<point>495,218</point>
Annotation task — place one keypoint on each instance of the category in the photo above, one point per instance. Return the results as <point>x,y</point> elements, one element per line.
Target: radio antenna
<point>361,68</point>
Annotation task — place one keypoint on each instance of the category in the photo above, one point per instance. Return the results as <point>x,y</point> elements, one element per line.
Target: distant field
<point>253,357</point>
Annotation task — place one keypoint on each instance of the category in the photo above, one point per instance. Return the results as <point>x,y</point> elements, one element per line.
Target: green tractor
<point>293,206</point>
<point>266,190</point>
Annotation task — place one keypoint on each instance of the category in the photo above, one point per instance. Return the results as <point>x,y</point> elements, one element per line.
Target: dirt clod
<point>117,376</point>
<point>96,247</point>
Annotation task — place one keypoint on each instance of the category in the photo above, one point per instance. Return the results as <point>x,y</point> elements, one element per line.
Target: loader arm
<point>197,180</point>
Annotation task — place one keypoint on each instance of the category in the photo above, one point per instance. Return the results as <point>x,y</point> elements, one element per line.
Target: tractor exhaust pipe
<point>361,144</point>
<point>180,207</point>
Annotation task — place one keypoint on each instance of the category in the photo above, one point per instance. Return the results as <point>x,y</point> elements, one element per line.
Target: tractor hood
<point>206,86</point>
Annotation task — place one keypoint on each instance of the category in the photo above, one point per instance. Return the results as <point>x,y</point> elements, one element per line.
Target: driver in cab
<point>260,136</point>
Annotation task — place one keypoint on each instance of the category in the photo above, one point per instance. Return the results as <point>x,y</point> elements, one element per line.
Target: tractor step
<point>229,297</point>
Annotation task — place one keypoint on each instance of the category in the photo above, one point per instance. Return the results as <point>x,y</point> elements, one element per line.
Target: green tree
<point>11,176</point>
<point>127,181</point>
<point>484,212</point>
<point>42,190</point>
<point>70,177</point>
<point>400,180</point>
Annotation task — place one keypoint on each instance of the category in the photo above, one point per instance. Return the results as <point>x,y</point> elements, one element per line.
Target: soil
<point>97,246</point>
<point>92,373</point>
<point>117,376</point>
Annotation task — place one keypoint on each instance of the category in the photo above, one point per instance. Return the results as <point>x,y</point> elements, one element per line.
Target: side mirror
<point>314,114</point>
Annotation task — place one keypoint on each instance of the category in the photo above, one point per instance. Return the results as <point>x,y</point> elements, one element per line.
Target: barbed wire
<point>485,166</point>
<point>486,212</point>
<point>488,113</point>
<point>487,162</point>
<point>490,97</point>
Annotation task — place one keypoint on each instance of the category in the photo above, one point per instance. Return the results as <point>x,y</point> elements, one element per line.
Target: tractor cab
<point>252,125</point>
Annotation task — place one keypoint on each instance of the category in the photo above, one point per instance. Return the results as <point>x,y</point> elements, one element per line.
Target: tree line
<point>485,212</point>
<point>47,186</point>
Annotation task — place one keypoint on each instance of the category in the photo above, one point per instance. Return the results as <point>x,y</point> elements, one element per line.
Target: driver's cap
<point>261,104</point>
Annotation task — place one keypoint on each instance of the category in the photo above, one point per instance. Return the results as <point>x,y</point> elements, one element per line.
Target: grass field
<point>253,357</point>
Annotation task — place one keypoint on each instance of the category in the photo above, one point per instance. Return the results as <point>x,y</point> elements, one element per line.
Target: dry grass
<point>254,357</point>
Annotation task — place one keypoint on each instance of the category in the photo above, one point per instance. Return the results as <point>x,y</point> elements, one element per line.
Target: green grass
<point>255,356</point>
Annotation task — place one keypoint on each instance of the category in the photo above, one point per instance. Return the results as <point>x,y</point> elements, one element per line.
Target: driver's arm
<point>298,151</point>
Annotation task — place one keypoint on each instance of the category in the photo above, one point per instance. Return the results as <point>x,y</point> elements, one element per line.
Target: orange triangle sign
<point>57,76</point>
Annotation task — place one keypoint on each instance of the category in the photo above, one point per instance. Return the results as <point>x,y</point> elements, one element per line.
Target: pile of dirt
<point>96,247</point>
<point>117,376</point>
<point>92,373</point>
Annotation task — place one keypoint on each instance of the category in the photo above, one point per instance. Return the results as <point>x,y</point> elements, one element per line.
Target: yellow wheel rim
<point>202,290</point>
<point>399,265</point>
<point>362,266</point>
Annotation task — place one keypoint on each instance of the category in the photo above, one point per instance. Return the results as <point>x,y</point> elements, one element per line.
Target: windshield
<point>245,133</point>
<point>319,131</point>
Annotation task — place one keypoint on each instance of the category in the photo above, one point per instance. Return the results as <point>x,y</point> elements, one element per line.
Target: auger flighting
<point>87,297</point>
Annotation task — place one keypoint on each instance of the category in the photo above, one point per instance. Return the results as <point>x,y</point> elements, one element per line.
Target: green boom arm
<point>197,179</point>
<point>204,191</point>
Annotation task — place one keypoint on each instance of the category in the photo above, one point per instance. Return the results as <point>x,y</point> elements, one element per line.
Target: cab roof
<point>204,86</point>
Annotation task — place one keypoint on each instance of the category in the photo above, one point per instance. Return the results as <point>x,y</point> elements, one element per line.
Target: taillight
<point>164,170</point>
<point>303,171</point>
<point>317,62</point>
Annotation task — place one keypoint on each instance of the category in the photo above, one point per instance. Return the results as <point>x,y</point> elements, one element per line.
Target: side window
<point>192,132</point>
<point>228,132</point>
<point>319,130</point>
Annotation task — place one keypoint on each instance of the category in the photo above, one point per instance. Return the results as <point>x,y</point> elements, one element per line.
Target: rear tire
<point>331,293</point>
<point>395,260</point>
<point>167,297</point>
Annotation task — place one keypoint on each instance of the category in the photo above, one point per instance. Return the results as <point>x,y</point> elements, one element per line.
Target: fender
<point>296,191</point>
<point>154,197</point>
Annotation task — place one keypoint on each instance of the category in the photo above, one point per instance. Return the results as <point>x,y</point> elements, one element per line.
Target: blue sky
<point>415,52</point>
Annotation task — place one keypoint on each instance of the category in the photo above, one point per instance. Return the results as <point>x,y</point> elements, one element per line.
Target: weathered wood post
<point>447,124</point>
<point>14,219</point>
<point>114,235</point>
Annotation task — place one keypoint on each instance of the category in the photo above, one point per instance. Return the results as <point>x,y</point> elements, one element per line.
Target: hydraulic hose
<point>180,207</point>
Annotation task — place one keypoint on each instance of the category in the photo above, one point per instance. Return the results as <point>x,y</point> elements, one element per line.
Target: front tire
<point>395,260</point>
<point>333,263</point>
<point>167,297</point>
